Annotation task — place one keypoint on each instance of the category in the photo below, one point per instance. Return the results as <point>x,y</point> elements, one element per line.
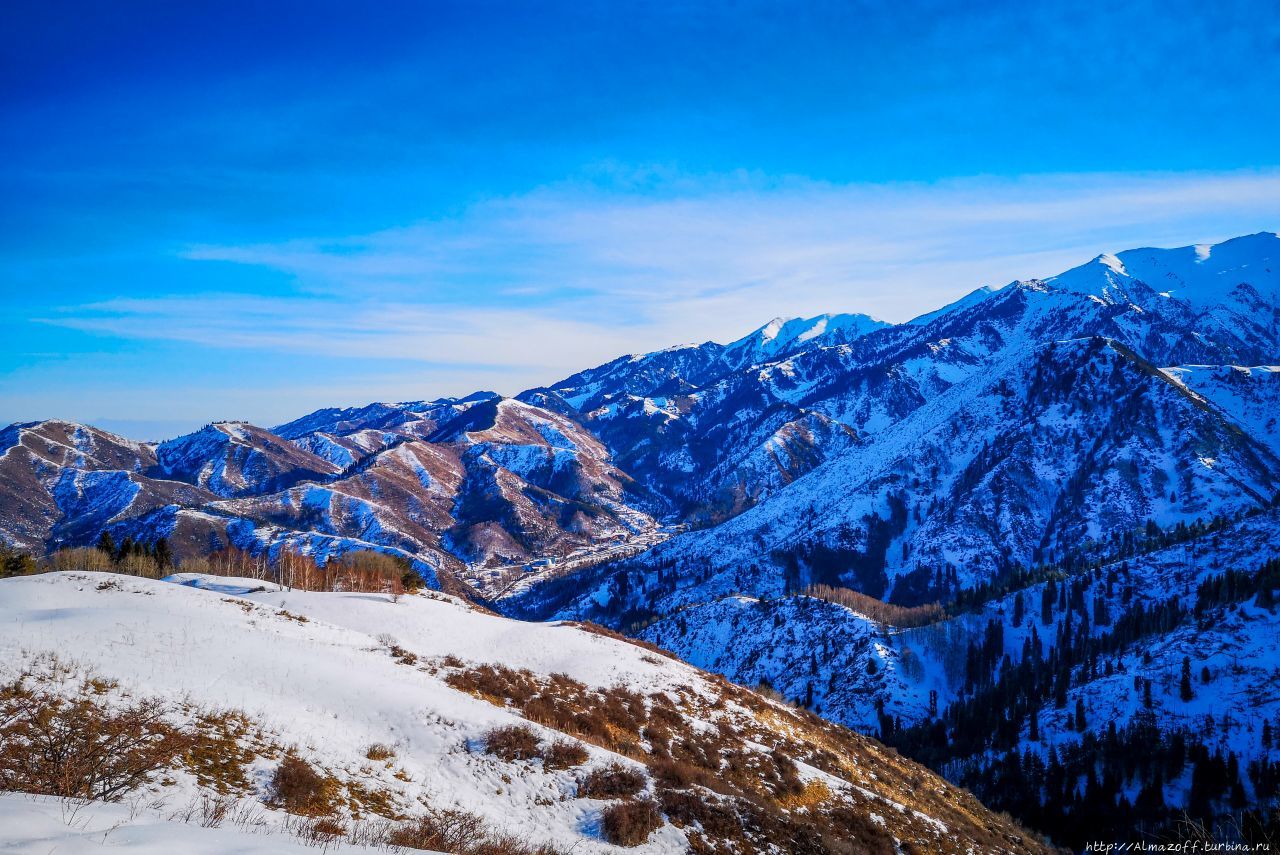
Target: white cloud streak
<point>533,287</point>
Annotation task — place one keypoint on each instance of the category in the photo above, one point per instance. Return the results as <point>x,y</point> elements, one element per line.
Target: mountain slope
<point>236,459</point>
<point>62,483</point>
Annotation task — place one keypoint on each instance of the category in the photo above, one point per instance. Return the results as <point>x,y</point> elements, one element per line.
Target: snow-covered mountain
<point>1038,417</point>
<point>1110,425</point>
<point>62,483</point>
<point>398,706</point>
<point>237,459</point>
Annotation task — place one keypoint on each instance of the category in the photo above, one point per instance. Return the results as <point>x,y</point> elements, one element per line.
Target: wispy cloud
<point>535,286</point>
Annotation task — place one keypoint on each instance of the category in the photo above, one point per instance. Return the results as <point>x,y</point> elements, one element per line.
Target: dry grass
<point>811,795</point>
<point>379,752</point>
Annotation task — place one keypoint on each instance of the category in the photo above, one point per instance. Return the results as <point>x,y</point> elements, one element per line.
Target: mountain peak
<point>782,336</point>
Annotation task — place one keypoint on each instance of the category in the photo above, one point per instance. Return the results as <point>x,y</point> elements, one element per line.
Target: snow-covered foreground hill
<point>337,679</point>
<point>40,825</point>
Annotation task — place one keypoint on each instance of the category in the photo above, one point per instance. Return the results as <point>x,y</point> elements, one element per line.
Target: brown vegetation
<point>364,571</point>
<point>79,747</point>
<point>379,752</point>
<point>878,610</point>
<point>300,789</point>
<point>630,823</point>
<point>611,782</point>
<point>725,792</point>
<point>458,832</point>
<point>511,743</point>
<point>563,754</point>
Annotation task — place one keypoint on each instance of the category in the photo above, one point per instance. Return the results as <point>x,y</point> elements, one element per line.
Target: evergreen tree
<point>1019,609</point>
<point>161,553</point>
<point>1046,603</point>
<point>107,543</point>
<point>1184,688</point>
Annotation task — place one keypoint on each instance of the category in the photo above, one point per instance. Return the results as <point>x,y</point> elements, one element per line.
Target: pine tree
<point>1081,723</point>
<point>107,543</point>
<point>162,554</point>
<point>1019,609</point>
<point>1184,689</point>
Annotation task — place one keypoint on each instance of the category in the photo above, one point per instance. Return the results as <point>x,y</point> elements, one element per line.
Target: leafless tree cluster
<point>878,610</point>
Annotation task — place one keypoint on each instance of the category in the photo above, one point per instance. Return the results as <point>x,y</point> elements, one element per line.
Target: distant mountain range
<point>1109,435</point>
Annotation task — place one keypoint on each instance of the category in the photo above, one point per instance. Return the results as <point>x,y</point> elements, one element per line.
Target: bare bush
<point>684,807</point>
<point>79,747</point>
<point>630,823</point>
<point>563,754</point>
<point>444,830</point>
<point>300,789</point>
<point>611,782</point>
<point>511,743</point>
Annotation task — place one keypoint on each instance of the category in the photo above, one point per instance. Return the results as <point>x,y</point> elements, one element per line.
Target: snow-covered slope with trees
<point>395,704</point>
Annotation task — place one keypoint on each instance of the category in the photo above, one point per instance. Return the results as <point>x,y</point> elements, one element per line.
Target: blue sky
<point>249,210</point>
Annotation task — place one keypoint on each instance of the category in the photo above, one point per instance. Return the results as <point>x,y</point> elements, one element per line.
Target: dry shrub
<point>630,823</point>
<point>511,743</point>
<point>379,752</point>
<point>78,747</point>
<point>563,754</point>
<point>221,752</point>
<point>326,828</point>
<point>788,783</point>
<point>611,782</point>
<point>444,830</point>
<point>459,832</point>
<point>496,682</point>
<point>683,808</point>
<point>301,789</point>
